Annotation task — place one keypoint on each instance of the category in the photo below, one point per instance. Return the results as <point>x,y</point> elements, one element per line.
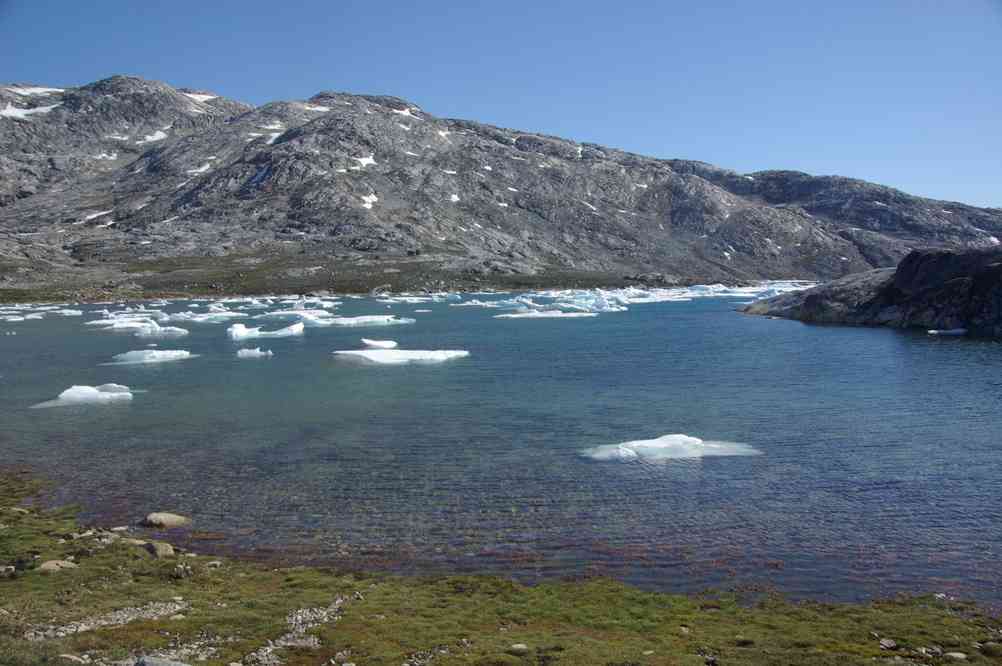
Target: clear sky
<point>907,93</point>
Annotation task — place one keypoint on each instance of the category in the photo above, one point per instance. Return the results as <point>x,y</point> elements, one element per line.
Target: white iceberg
<point>402,356</point>
<point>89,395</point>
<point>151,356</point>
<point>379,344</point>
<point>668,447</point>
<point>369,320</point>
<point>254,353</point>
<point>241,332</point>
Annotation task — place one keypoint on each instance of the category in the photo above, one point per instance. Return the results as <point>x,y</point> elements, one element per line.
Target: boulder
<point>166,520</point>
<point>53,566</point>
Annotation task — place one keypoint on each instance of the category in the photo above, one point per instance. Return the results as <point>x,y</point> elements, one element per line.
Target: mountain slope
<point>127,174</point>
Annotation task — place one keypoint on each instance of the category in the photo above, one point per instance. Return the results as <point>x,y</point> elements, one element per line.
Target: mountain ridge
<point>104,183</point>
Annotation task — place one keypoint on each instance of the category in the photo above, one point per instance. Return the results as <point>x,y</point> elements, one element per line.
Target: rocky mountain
<point>944,290</point>
<point>128,181</point>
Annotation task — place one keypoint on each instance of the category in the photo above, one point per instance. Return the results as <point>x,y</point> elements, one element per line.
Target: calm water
<point>880,469</point>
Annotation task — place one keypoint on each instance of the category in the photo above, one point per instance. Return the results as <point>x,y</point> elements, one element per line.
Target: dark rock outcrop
<point>944,290</point>
<point>128,172</point>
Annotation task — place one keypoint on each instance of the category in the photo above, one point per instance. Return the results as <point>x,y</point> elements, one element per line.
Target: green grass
<point>460,620</point>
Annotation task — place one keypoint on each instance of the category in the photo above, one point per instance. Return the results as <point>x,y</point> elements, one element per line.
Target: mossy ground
<point>239,606</point>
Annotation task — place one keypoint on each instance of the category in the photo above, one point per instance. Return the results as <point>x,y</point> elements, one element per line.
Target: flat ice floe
<point>151,356</point>
<point>545,314</point>
<point>947,331</point>
<point>379,344</point>
<point>254,353</point>
<point>369,320</point>
<point>89,395</point>
<point>241,332</point>
<point>668,447</point>
<point>402,356</point>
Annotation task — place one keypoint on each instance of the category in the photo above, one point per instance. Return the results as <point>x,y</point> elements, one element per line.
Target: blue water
<point>880,469</point>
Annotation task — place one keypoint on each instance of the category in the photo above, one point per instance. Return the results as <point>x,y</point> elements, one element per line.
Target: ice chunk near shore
<point>254,353</point>
<point>668,447</point>
<point>241,332</point>
<point>151,356</point>
<point>402,356</point>
<point>379,344</point>
<point>947,331</point>
<point>545,314</point>
<point>89,395</point>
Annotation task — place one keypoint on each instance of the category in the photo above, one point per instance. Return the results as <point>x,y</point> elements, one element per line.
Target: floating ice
<point>379,344</point>
<point>89,395</point>
<point>241,332</point>
<point>254,353</point>
<point>402,356</point>
<point>369,320</point>
<point>151,356</point>
<point>668,447</point>
<point>545,314</point>
<point>947,331</point>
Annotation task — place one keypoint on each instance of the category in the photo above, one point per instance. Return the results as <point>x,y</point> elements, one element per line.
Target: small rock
<point>214,564</point>
<point>157,661</point>
<point>955,656</point>
<point>888,644</point>
<point>518,649</point>
<point>120,528</point>
<point>991,648</point>
<point>165,520</point>
<point>52,566</point>
<point>72,657</point>
<point>178,616</point>
<point>7,572</point>
<point>134,542</point>
<point>160,550</point>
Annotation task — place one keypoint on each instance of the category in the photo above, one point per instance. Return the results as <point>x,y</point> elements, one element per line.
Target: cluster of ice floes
<point>255,353</point>
<point>241,332</point>
<point>151,356</point>
<point>668,447</point>
<point>89,395</point>
<point>28,312</point>
<point>578,303</point>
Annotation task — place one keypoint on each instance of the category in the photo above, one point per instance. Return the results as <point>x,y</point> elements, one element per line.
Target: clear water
<point>880,470</point>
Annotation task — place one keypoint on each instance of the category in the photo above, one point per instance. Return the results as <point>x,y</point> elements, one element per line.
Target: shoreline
<point>117,597</point>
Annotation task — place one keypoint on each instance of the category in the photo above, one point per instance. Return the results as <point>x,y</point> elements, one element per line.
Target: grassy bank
<point>121,600</point>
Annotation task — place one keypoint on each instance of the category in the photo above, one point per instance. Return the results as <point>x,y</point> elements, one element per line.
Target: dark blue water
<point>880,470</point>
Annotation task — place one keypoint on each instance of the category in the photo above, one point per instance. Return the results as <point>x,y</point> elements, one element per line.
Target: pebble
<point>518,649</point>
<point>73,658</point>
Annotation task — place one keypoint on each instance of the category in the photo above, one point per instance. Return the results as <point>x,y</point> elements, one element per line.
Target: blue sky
<point>904,93</point>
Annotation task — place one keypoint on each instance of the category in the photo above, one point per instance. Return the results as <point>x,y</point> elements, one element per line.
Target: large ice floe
<point>668,447</point>
<point>255,353</point>
<point>151,356</point>
<point>401,356</point>
<point>369,320</point>
<point>241,332</point>
<point>89,395</point>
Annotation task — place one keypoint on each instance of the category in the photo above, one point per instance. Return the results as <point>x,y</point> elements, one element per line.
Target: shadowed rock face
<point>930,289</point>
<point>126,170</point>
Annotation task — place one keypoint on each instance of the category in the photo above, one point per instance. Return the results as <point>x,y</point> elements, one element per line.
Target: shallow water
<point>879,469</point>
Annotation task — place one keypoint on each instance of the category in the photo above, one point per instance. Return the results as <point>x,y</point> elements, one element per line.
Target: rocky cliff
<point>133,181</point>
<point>948,291</point>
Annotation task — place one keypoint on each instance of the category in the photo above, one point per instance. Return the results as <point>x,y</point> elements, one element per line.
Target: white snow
<point>589,205</point>
<point>21,114</point>
<point>502,204</point>
<point>406,128</point>
<point>202,169</point>
<point>117,137</point>
<point>512,189</point>
<point>994,240</point>
<point>369,199</point>
<point>272,136</point>
<point>273,125</point>
<point>403,356</point>
<point>34,90</point>
<point>241,332</point>
<point>254,353</point>
<point>106,156</point>
<point>200,97</point>
<point>365,161</point>
<point>668,447</point>
<point>454,198</point>
<point>92,216</point>
<point>407,152</point>
<point>379,344</point>
<point>89,395</point>
<point>947,331</point>
<point>405,112</point>
<point>451,173</point>
<point>159,135</point>
<point>316,107</point>
<point>143,356</point>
